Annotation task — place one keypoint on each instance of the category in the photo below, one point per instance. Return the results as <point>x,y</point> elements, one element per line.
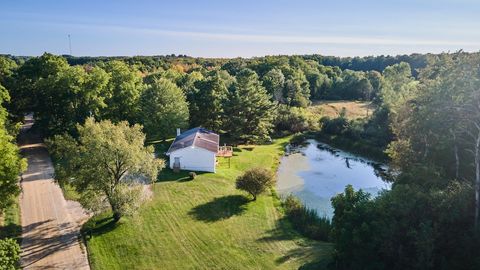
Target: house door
<point>176,163</point>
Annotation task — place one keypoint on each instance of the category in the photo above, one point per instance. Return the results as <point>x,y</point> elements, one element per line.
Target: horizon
<point>248,29</point>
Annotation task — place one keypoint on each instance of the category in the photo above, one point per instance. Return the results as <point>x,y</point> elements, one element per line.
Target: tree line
<point>426,119</point>
<point>180,93</point>
<point>430,217</point>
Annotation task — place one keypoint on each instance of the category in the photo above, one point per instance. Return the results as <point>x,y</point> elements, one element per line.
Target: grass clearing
<point>10,224</point>
<point>69,192</point>
<point>206,224</point>
<point>332,108</point>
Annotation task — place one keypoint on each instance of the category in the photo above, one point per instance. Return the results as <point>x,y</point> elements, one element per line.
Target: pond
<point>317,172</point>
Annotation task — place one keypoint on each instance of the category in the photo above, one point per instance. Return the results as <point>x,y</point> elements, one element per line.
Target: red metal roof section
<point>197,137</point>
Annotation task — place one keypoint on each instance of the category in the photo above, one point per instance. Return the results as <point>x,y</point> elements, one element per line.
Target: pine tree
<point>249,110</point>
<point>208,110</point>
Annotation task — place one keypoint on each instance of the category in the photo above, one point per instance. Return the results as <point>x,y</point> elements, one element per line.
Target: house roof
<point>197,137</point>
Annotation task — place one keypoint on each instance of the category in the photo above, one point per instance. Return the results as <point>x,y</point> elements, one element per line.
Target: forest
<point>426,126</point>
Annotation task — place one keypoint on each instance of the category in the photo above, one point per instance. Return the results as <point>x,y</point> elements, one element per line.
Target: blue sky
<point>212,28</point>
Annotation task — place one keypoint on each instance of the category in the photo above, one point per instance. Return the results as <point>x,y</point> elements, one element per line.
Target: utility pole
<point>70,44</point>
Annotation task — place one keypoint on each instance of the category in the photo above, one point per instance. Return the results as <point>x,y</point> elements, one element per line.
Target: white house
<point>194,150</point>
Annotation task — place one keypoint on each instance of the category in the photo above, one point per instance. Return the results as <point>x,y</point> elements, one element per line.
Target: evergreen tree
<point>249,110</point>
<point>208,110</point>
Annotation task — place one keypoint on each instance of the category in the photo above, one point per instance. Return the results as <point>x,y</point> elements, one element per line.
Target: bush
<point>255,181</point>
<point>192,175</point>
<point>9,254</point>
<point>293,119</point>
<point>306,221</point>
<point>335,126</point>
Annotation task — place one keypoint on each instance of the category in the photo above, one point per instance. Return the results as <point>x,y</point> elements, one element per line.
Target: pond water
<point>317,172</point>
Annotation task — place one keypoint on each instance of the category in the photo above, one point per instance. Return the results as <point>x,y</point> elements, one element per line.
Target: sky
<point>241,28</point>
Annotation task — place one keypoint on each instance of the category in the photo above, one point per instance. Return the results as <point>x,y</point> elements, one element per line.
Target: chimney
<point>178,132</point>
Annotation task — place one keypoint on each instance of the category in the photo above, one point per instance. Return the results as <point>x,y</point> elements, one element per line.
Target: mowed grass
<point>207,224</point>
<point>10,221</point>
<point>332,108</point>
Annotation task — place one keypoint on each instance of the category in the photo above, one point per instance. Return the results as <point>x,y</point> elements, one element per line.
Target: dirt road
<point>50,224</point>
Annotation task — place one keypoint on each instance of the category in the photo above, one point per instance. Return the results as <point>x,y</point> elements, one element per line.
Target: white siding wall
<point>194,159</point>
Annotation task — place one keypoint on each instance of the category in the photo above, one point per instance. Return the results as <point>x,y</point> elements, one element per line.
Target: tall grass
<point>305,220</point>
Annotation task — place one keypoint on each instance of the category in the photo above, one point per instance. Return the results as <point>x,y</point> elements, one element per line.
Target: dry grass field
<point>354,109</point>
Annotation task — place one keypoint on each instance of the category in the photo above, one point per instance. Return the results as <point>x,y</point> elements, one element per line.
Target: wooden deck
<point>225,151</point>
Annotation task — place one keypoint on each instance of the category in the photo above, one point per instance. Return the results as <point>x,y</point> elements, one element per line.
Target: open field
<point>206,224</point>
<point>332,108</point>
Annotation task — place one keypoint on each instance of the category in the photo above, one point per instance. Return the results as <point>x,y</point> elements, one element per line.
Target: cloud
<point>285,39</point>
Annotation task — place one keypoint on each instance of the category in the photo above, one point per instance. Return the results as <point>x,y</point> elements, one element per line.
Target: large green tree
<point>297,89</point>
<point>11,164</point>
<point>274,82</point>
<point>209,102</point>
<point>163,109</point>
<point>59,95</point>
<point>123,92</point>
<point>26,95</point>
<point>250,111</point>
<point>69,97</point>
<point>105,164</point>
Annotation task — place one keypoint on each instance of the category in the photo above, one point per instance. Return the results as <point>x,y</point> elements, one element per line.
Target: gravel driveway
<point>50,224</point>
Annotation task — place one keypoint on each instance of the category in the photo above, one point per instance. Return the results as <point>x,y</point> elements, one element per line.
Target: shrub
<point>335,126</point>
<point>192,175</point>
<point>294,119</point>
<point>306,221</point>
<point>255,181</point>
<point>9,254</point>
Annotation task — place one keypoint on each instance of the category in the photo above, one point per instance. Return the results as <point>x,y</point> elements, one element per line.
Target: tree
<point>249,109</point>
<point>274,82</point>
<point>69,97</point>
<point>470,113</point>
<point>105,164</point>
<point>409,227</point>
<point>255,181</point>
<point>26,95</point>
<point>295,119</point>
<point>163,109</point>
<point>123,92</point>
<point>375,78</point>
<point>9,254</point>
<point>436,158</point>
<point>350,209</point>
<point>208,110</point>
<point>297,89</point>
<point>317,82</point>
<point>11,164</point>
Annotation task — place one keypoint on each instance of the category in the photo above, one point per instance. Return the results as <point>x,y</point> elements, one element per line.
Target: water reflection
<point>318,172</point>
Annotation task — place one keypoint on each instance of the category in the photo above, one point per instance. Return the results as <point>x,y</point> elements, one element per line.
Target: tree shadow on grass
<point>282,231</point>
<point>167,175</point>
<point>317,253</point>
<point>220,208</point>
<point>98,225</point>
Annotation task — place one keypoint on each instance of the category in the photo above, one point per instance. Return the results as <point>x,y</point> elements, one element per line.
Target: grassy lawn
<point>206,224</point>
<point>69,192</point>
